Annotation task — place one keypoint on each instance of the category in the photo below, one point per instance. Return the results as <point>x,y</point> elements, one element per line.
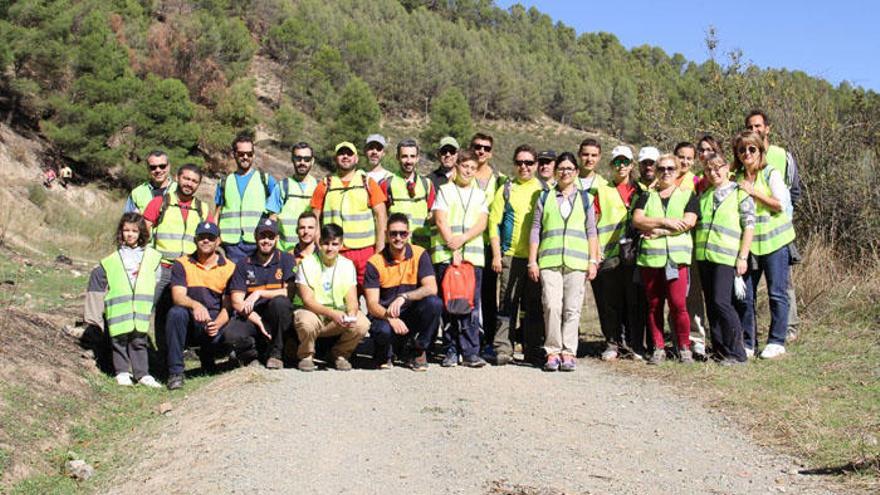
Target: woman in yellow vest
<point>130,274</point>
<point>773,233</point>
<point>563,255</point>
<point>722,242</point>
<point>461,212</point>
<point>664,217</point>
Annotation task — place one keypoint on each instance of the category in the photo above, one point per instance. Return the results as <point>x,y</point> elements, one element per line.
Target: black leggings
<point>727,332</point>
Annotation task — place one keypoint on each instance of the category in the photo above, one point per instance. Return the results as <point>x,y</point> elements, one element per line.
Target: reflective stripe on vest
<point>343,273</point>
<point>773,230</point>
<point>298,196</point>
<point>679,247</point>
<point>128,309</point>
<point>143,194</point>
<point>563,240</point>
<point>172,238</point>
<point>240,215</point>
<point>612,220</point>
<point>349,207</point>
<point>416,208</point>
<point>719,231</point>
<point>462,215</point>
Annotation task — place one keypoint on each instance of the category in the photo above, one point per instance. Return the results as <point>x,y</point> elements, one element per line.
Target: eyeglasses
<point>527,163</point>
<point>345,152</point>
<point>566,170</point>
<point>244,154</point>
<point>398,233</point>
<point>448,151</point>
<point>621,162</point>
<point>664,170</point>
<point>160,166</point>
<point>752,150</point>
<point>481,147</point>
<point>306,158</point>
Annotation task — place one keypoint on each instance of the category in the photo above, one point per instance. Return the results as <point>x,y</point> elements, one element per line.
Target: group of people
<point>375,259</point>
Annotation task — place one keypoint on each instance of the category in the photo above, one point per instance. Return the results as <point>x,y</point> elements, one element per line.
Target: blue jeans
<point>238,252</point>
<point>180,322</point>
<point>462,334</point>
<point>422,317</point>
<point>777,268</point>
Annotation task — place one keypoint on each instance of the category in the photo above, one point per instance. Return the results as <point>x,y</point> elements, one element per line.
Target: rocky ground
<point>510,430</point>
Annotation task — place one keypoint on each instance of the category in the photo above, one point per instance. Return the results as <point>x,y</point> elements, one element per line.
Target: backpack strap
<point>285,190</point>
<point>264,178</point>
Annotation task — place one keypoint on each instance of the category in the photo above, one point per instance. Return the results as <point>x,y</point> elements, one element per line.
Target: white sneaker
<point>149,381</point>
<point>124,379</point>
<point>750,353</point>
<point>772,351</point>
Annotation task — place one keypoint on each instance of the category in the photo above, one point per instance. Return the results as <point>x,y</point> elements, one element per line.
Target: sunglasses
<point>621,162</point>
<point>375,147</point>
<point>206,237</point>
<point>161,166</point>
<point>752,150</point>
<point>403,234</point>
<point>345,152</point>
<point>664,170</point>
<point>244,154</point>
<point>481,147</point>
<point>306,158</point>
<point>527,163</point>
<point>448,151</point>
<point>266,235</point>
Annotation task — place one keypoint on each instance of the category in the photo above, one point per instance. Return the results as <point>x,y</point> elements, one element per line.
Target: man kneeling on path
<point>198,289</point>
<point>327,303</point>
<point>258,291</point>
<point>401,294</point>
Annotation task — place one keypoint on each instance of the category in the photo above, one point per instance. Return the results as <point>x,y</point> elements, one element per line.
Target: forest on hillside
<point>105,81</point>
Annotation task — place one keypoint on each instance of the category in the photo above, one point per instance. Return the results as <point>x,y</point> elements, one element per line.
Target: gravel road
<point>510,430</point>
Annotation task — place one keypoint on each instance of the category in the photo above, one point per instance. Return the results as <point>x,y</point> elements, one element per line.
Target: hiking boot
<point>686,356</point>
<point>609,354</point>
<point>450,360</point>
<point>149,381</point>
<point>569,363</point>
<point>124,379</point>
<point>473,362</point>
<point>731,362</point>
<point>273,363</point>
<point>384,364</point>
<point>342,364</point>
<point>772,351</point>
<point>552,363</point>
<point>175,382</point>
<point>488,353</point>
<point>502,359</point>
<point>306,364</point>
<point>419,362</point>
<point>699,351</point>
<point>657,357</point>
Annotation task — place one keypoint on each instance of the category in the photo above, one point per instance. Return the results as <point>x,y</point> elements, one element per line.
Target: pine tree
<point>357,115</point>
<point>450,116</point>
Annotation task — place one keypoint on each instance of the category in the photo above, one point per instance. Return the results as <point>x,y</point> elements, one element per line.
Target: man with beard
<point>292,195</point>
<point>374,148</point>
<point>447,153</point>
<point>648,156</point>
<point>410,193</point>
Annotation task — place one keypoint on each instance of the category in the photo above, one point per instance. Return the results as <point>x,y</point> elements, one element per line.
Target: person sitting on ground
<point>258,291</point>
<point>401,294</point>
<point>326,302</point>
<point>307,233</point>
<point>128,276</point>
<point>201,303</point>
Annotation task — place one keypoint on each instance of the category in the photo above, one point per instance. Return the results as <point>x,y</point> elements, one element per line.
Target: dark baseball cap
<point>266,225</point>
<point>209,228</point>
<point>547,155</point>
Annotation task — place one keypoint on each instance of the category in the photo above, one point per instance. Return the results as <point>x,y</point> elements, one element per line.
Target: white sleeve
<point>300,275</point>
<point>779,190</point>
<point>440,203</point>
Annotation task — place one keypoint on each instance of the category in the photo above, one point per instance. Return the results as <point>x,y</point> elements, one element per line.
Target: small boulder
<point>78,469</point>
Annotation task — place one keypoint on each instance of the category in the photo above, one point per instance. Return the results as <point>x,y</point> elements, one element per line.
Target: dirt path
<point>510,430</point>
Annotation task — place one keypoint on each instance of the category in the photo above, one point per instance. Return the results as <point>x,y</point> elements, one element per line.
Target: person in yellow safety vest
<point>706,147</point>
<point>241,200</point>
<point>686,153</point>
<point>590,153</point>
<point>461,213</point>
<point>374,150</point>
<point>619,301</point>
<point>665,217</point>
<point>160,183</point>
<point>488,180</point>
<point>291,196</point>
<point>546,165</point>
<point>410,193</point>
<point>128,277</point>
<point>784,162</point>
<point>173,219</point>
<point>510,220</point>
<point>355,202</point>
<point>563,256</point>
<point>774,232</point>
<point>648,156</point>
<point>325,302</point>
<point>721,247</point>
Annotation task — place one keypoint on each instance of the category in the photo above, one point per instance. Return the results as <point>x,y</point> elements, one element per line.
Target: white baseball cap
<point>622,151</point>
<point>649,153</point>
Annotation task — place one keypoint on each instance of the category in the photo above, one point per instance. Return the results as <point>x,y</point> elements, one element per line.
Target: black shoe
<point>175,382</point>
